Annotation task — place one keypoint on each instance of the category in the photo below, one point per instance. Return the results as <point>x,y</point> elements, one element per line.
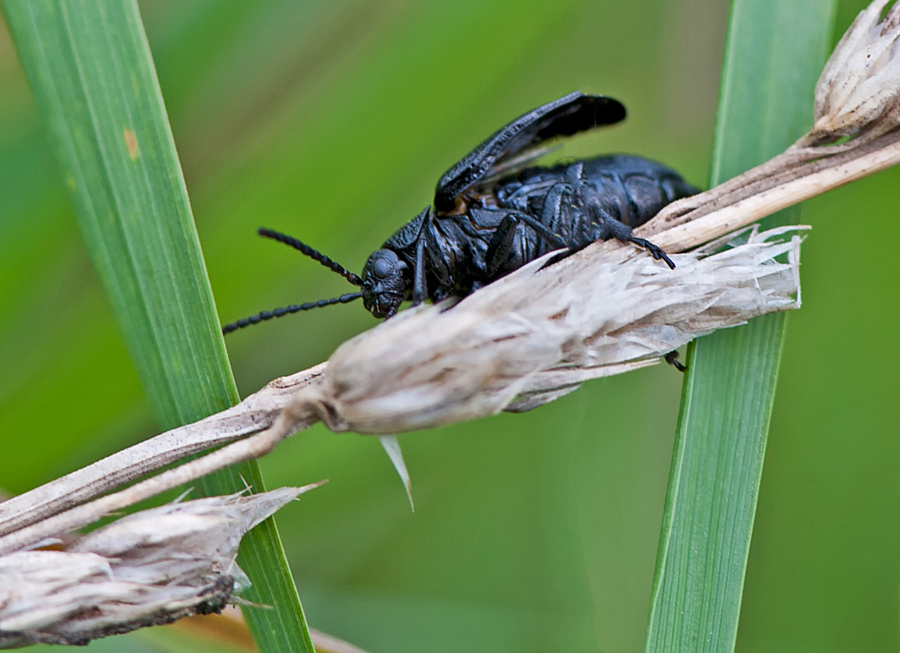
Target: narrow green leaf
<point>91,71</point>
<point>775,51</point>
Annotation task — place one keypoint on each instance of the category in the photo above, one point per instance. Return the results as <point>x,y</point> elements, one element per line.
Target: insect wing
<point>566,116</point>
<point>512,165</point>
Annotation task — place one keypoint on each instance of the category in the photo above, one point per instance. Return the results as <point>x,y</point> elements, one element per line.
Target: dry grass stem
<point>287,423</point>
<point>255,413</point>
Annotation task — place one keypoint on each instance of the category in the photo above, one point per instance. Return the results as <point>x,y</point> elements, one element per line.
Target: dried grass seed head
<point>535,334</point>
<point>860,84</point>
<point>148,568</point>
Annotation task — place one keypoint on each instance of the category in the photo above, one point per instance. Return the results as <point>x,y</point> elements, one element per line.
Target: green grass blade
<point>774,53</point>
<point>91,71</point>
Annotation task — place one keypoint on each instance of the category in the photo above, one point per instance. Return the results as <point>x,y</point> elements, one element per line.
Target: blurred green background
<point>332,121</point>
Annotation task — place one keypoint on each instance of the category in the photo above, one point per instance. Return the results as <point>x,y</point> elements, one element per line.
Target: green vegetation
<point>773,56</point>
<point>93,79</point>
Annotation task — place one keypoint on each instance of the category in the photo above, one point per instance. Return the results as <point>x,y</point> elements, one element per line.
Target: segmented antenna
<point>311,253</point>
<point>287,310</point>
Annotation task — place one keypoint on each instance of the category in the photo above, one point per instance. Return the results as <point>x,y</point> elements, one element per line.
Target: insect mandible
<point>493,213</point>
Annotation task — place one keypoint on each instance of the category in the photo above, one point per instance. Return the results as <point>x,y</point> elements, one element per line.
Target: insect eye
<point>381,268</point>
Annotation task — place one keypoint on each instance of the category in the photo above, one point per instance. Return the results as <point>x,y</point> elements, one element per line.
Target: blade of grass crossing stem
<point>92,75</point>
<point>774,53</point>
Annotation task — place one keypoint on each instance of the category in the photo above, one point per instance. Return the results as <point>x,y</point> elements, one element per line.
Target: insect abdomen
<point>633,189</point>
<point>626,188</point>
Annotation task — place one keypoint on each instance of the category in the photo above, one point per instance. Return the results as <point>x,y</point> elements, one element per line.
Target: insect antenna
<point>311,253</point>
<point>287,310</point>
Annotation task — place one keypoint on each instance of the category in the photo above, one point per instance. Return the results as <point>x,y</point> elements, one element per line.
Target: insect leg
<point>420,290</point>
<point>655,250</point>
<point>621,231</point>
<point>672,359</point>
<point>437,255</point>
<point>501,245</point>
<point>555,212</point>
<point>554,239</point>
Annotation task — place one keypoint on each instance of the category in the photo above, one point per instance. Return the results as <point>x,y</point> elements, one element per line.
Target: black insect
<point>492,213</point>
